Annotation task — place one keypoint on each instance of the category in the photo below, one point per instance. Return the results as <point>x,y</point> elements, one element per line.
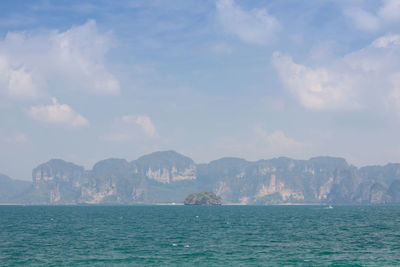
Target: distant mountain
<point>166,177</point>
<point>11,190</point>
<point>155,178</point>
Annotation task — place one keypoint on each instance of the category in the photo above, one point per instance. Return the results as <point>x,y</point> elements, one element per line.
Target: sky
<point>89,80</point>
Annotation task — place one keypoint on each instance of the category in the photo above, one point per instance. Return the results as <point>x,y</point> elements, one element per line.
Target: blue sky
<point>88,80</point>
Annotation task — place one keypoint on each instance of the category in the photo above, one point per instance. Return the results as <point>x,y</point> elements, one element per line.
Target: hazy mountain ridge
<point>11,190</point>
<point>165,177</point>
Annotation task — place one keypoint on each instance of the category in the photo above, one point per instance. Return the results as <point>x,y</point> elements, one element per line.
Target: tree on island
<point>203,198</point>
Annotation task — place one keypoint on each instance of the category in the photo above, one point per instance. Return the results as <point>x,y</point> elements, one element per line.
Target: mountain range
<point>168,177</point>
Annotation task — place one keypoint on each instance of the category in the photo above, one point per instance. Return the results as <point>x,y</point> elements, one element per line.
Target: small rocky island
<point>203,198</point>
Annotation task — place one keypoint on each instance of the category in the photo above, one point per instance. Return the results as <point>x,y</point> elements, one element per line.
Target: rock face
<point>166,167</point>
<point>166,177</point>
<point>203,199</point>
<point>159,177</point>
<point>56,181</point>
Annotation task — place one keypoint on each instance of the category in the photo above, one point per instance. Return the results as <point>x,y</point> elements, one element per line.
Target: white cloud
<point>278,142</point>
<point>389,12</point>
<point>387,41</point>
<point>316,88</point>
<point>16,82</point>
<point>393,99</point>
<point>17,138</point>
<point>143,121</point>
<point>222,48</point>
<point>80,53</point>
<point>361,79</point>
<point>56,113</point>
<point>362,19</point>
<point>132,127</point>
<point>262,144</point>
<point>32,64</point>
<point>21,84</point>
<point>255,26</point>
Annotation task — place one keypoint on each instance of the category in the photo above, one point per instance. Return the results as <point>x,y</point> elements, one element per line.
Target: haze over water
<point>199,235</point>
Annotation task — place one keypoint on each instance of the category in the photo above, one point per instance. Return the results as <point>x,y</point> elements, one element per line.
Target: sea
<point>199,235</point>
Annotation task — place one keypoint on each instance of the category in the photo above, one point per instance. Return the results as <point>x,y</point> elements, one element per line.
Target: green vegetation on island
<point>203,198</point>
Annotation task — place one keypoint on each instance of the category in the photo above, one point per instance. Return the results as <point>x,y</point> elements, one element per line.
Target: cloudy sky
<point>88,80</point>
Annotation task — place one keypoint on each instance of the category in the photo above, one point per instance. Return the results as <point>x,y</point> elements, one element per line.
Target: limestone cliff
<point>165,177</point>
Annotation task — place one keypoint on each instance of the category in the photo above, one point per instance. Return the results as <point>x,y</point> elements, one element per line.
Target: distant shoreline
<point>181,204</point>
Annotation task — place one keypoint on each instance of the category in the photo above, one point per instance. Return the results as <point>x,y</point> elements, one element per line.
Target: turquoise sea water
<point>200,236</point>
